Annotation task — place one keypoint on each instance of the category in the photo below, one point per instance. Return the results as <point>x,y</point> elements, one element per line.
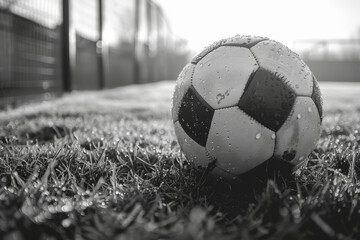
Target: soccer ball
<point>243,101</point>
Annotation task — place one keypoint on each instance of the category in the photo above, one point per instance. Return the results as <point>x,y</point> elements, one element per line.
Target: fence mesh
<point>29,48</point>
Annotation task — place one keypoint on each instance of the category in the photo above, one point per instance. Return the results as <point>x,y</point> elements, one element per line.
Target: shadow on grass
<point>234,198</point>
<point>44,134</point>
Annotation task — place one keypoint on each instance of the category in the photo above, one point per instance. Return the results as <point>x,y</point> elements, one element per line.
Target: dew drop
<point>273,136</point>
<point>298,116</point>
<point>66,223</point>
<point>309,109</point>
<point>258,136</point>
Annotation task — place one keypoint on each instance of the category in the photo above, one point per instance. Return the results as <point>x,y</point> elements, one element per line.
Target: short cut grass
<point>106,165</point>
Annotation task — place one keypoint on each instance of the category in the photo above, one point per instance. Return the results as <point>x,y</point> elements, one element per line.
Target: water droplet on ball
<point>258,136</point>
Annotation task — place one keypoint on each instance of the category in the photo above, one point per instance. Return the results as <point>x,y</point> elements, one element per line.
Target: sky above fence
<point>202,22</point>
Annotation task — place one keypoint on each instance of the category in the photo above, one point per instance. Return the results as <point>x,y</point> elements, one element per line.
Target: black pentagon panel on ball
<point>267,99</point>
<point>195,116</point>
<point>316,97</point>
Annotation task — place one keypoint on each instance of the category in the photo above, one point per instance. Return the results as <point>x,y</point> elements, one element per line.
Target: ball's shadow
<point>235,197</point>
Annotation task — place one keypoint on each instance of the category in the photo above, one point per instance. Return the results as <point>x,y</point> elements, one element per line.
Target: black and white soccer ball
<point>245,100</point>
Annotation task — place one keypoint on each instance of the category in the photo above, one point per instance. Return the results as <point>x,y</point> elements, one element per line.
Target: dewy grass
<point>107,166</point>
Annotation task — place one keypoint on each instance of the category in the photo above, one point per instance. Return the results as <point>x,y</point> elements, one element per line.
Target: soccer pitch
<point>106,165</point>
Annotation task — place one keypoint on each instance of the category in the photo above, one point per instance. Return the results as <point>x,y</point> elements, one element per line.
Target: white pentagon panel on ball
<point>238,142</point>
<point>243,40</point>
<point>279,59</point>
<point>221,76</point>
<point>299,134</point>
<point>192,150</point>
<point>206,50</point>
<point>183,83</point>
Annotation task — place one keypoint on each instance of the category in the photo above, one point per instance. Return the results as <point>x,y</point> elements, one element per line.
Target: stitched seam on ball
<point>251,77</point>
<point>256,59</point>
<point>321,115</point>
<point>177,118</point>
<point>208,155</point>
<point>233,106</point>
<point>283,79</point>
<point>211,158</point>
<point>243,45</point>
<point>290,114</point>
<point>303,95</point>
<point>279,75</point>
<point>312,100</point>
<point>255,120</point>
<point>192,75</point>
<point>201,99</point>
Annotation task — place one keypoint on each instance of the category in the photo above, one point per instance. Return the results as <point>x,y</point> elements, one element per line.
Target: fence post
<point>99,47</point>
<point>65,33</point>
<point>135,40</point>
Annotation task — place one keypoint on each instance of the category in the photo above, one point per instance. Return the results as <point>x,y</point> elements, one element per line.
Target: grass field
<point>106,165</point>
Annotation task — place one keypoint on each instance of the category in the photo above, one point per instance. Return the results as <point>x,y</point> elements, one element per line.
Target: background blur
<point>48,47</point>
